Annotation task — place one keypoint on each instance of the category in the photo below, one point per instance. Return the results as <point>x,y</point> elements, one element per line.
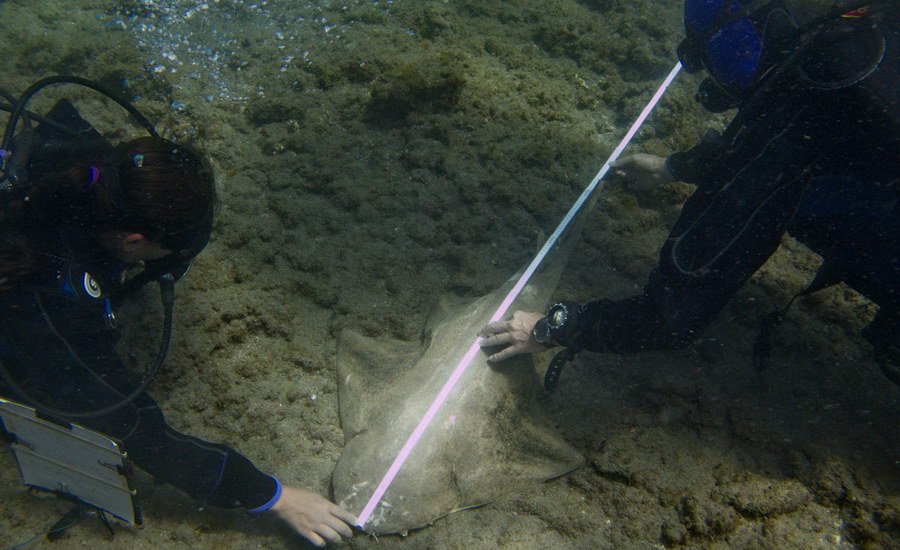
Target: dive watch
<point>556,324</point>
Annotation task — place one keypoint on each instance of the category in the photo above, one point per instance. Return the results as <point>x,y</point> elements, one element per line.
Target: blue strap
<point>267,506</point>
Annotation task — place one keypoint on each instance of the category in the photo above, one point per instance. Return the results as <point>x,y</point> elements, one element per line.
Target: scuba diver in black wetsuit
<point>813,150</point>
<point>77,214</point>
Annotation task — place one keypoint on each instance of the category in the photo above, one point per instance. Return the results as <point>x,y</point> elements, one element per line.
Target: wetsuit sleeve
<point>693,165</point>
<point>59,351</point>
<point>726,231</point>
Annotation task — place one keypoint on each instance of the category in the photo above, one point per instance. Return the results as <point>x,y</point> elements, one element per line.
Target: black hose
<point>19,106</point>
<point>167,296</point>
<point>7,96</point>
<point>42,119</point>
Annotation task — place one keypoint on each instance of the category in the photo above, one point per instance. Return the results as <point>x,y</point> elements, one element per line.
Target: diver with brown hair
<point>813,151</point>
<point>78,215</point>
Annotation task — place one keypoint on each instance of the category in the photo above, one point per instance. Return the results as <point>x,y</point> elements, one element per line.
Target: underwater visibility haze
<point>375,156</point>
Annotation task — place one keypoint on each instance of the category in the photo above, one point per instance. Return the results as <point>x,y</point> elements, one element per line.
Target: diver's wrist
<point>541,333</point>
<point>557,327</point>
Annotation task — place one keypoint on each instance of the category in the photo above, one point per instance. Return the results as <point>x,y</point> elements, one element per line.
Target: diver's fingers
<point>497,327</point>
<point>345,517</point>
<point>498,339</point>
<point>521,347</point>
<point>328,533</point>
<point>623,164</point>
<point>312,537</point>
<point>627,172</point>
<point>337,523</point>
<point>505,353</point>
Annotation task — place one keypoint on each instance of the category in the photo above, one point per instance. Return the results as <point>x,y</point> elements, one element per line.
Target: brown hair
<point>171,186</point>
<point>148,185</point>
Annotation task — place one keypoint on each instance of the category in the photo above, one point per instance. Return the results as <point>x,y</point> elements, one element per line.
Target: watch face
<point>557,316</point>
<point>541,331</point>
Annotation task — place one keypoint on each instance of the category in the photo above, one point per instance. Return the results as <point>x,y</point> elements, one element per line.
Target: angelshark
<point>487,440</point>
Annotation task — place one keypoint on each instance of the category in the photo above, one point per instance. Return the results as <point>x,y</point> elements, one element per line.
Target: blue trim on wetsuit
<point>268,506</point>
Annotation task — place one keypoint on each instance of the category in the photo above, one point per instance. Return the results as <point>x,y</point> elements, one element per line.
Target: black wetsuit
<point>821,164</point>
<point>59,348</point>
<point>55,343</point>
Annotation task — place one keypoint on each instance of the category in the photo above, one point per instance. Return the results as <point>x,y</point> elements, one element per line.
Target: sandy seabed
<point>373,156</point>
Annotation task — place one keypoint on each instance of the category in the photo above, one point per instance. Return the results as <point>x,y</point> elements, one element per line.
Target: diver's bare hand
<point>515,334</point>
<point>644,172</point>
<point>314,517</point>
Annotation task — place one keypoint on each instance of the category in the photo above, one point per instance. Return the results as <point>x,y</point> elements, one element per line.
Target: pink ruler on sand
<point>466,360</point>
